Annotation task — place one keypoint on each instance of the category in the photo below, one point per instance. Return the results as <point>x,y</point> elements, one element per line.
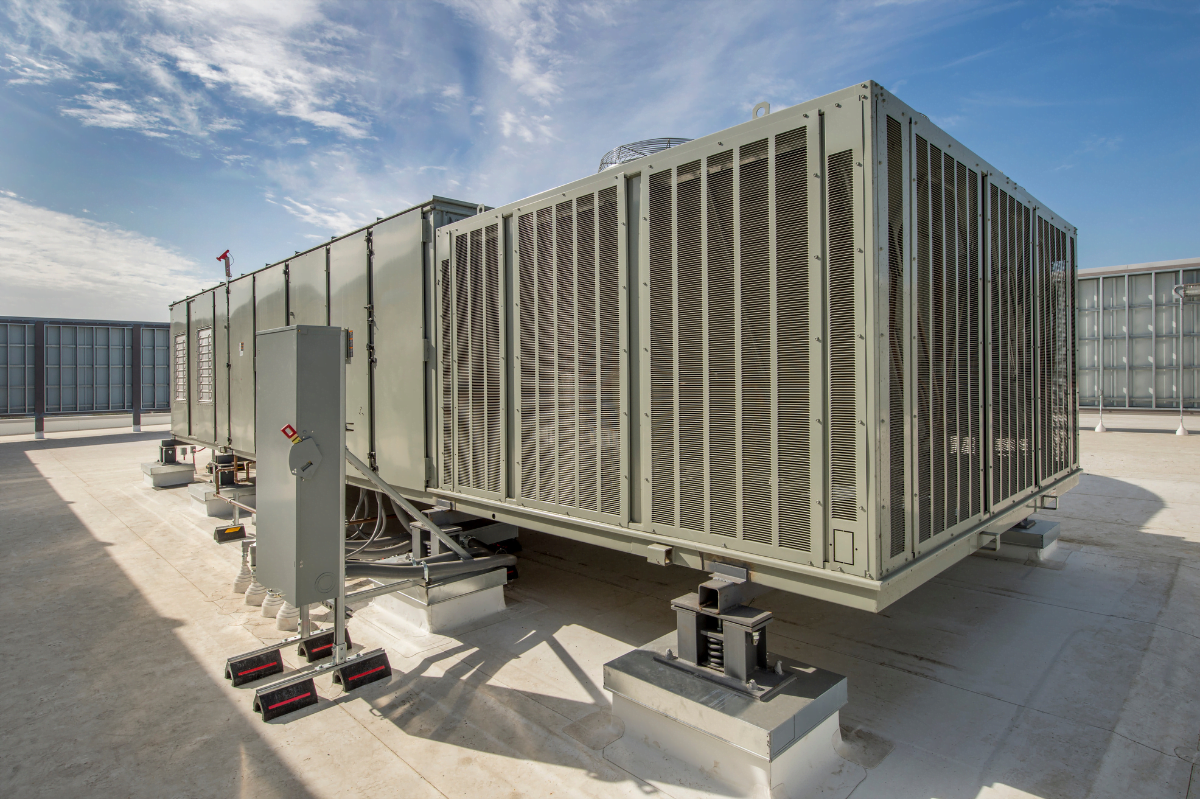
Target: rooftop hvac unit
<point>831,345</point>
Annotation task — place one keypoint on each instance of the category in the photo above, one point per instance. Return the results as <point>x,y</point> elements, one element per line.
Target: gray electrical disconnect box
<point>300,419</point>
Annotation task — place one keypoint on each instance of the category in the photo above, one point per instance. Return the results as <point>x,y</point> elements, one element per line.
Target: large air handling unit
<point>830,347</point>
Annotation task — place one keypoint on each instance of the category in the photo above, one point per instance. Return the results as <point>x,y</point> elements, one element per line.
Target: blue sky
<point>138,140</point>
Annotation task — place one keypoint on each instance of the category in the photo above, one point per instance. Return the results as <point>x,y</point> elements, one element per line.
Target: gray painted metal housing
<point>831,345</point>
<point>1139,345</point>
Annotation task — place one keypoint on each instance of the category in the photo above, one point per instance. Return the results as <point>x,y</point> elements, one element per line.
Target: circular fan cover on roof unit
<point>635,150</point>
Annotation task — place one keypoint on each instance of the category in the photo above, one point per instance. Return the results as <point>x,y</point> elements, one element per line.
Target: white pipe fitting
<point>288,618</point>
<point>256,593</point>
<point>271,604</point>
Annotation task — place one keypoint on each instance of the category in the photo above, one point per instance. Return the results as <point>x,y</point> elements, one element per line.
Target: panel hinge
<point>426,229</point>
<point>430,470</point>
<point>287,270</point>
<point>430,353</point>
<point>370,245</point>
<point>371,462</point>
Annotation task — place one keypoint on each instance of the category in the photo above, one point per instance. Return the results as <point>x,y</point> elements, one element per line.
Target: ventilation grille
<point>924,334</point>
<point>1055,276</point>
<point>792,339</point>
<point>446,361</point>
<point>844,361</point>
<point>568,281</point>
<point>476,346</point>
<point>895,245</point>
<point>949,339</point>
<point>181,378</point>
<point>1012,346</point>
<point>204,366</point>
<point>729,344</point>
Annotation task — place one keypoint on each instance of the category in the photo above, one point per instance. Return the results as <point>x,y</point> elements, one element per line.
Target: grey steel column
<point>39,380</point>
<point>136,378</point>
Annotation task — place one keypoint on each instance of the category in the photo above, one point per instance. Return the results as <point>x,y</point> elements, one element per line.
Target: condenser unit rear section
<point>830,346</point>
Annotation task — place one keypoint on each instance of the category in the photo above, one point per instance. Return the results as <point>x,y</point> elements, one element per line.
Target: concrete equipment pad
<point>995,679</point>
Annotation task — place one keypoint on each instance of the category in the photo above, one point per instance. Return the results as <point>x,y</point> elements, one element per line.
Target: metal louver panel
<point>722,347</point>
<point>587,362</point>
<point>895,255</point>
<point>609,312</point>
<point>662,351</point>
<point>924,333</point>
<point>547,359</point>
<point>844,362</point>
<point>975,361</point>
<point>446,361</point>
<point>937,377</point>
<point>527,327</point>
<point>729,328</point>
<point>949,337</point>
<point>792,339</point>
<point>462,361</point>
<point>491,321</point>
<point>755,339</point>
<point>690,300</point>
<point>568,331</point>
<point>564,250</point>
<point>474,306</point>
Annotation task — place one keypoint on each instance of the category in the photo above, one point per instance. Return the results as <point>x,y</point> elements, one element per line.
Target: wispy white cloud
<point>58,265</point>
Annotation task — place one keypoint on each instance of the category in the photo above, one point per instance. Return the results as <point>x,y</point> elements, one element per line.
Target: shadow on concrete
<point>992,674</point>
<point>101,697</point>
<point>56,441</point>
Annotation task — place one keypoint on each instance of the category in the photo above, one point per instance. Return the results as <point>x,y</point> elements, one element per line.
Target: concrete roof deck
<point>1078,678</point>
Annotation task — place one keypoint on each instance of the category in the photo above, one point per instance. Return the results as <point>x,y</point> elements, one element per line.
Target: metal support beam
<point>135,377</point>
<point>39,380</point>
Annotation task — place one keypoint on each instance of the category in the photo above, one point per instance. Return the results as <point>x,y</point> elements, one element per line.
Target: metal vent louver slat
<point>924,381</point>
<point>610,356</point>
<point>757,502</point>
<point>690,299</point>
<point>975,362</point>
<point>491,319</point>
<point>547,359</point>
<point>792,332</point>
<point>462,351</point>
<point>589,387</point>
<point>895,245</point>
<point>446,363</point>
<point>722,360</point>
<point>662,351</point>
<point>475,370</point>
<point>950,228</point>
<point>527,298</point>
<point>844,366</point>
<point>564,238</point>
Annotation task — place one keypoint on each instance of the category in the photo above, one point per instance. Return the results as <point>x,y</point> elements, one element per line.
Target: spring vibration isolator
<point>716,650</point>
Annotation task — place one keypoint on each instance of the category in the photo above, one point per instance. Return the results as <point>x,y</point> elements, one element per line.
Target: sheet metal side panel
<point>221,365</point>
<point>843,162</point>
<point>241,366</point>
<point>270,299</point>
<point>308,302</point>
<point>180,407</point>
<point>203,415</point>
<point>349,298</point>
<point>400,335</point>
